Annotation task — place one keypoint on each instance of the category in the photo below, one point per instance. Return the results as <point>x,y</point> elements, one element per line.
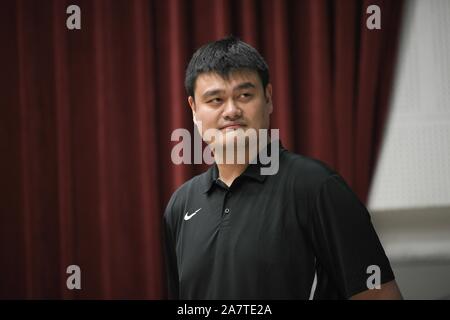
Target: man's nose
<point>231,111</point>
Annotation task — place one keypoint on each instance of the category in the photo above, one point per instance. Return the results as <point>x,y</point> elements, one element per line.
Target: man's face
<point>239,101</point>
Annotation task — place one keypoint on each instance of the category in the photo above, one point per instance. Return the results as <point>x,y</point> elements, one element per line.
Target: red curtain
<point>86,117</point>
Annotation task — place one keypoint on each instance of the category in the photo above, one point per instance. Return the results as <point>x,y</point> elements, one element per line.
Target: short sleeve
<point>345,242</point>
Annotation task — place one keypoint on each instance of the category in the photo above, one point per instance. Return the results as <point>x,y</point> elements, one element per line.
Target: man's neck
<point>229,172</point>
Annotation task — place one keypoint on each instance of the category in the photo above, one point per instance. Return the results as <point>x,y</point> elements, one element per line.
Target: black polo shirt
<point>298,234</point>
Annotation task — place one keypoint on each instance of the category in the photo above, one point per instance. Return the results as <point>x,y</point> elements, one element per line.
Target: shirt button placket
<point>225,207</point>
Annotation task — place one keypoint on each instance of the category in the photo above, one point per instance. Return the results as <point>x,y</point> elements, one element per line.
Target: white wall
<point>414,165</point>
<point>410,194</point>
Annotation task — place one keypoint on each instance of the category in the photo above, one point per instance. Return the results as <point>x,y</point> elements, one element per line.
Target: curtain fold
<point>86,118</point>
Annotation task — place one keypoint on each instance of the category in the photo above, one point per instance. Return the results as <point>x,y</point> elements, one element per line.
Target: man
<point>234,233</point>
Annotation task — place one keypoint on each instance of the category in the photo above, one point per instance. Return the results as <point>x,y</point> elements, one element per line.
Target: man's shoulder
<point>306,171</point>
<point>195,184</point>
<point>180,196</point>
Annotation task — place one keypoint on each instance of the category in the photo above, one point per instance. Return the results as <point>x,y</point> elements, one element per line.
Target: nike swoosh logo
<point>188,216</point>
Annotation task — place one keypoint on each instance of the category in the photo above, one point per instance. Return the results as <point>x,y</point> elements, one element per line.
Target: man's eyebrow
<point>210,93</point>
<point>245,85</point>
<point>241,86</point>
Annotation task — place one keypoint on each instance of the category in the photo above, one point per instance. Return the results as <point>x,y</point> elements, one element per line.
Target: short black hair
<point>225,56</point>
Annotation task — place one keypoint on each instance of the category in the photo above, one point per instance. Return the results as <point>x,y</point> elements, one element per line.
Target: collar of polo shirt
<point>252,171</point>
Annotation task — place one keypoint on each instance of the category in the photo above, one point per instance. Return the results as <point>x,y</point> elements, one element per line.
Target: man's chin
<point>233,137</point>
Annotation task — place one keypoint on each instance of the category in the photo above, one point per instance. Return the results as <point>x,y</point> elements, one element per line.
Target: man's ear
<point>268,95</point>
<point>192,105</point>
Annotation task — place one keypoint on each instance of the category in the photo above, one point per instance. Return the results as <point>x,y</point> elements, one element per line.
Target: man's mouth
<point>232,127</point>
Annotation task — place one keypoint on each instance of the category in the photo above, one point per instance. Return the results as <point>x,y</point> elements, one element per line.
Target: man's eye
<point>215,100</point>
<point>245,95</point>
